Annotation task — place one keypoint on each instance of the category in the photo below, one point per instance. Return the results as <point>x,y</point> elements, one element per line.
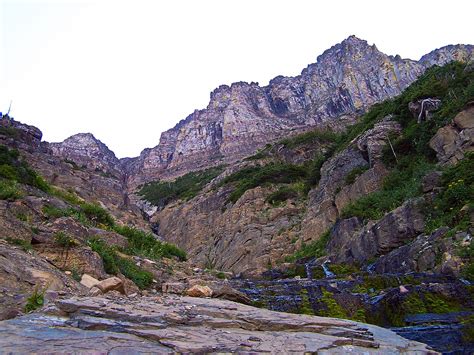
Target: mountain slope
<point>346,80</point>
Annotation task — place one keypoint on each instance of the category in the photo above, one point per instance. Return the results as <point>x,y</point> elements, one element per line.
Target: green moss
<point>305,306</point>
<point>332,308</point>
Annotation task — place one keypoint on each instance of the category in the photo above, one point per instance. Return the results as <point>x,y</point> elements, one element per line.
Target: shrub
<point>96,214</point>
<point>160,193</point>
<point>35,301</point>
<point>311,137</point>
<point>354,173</point>
<point>13,168</point>
<point>64,240</point>
<point>251,177</point>
<point>25,245</point>
<point>314,249</point>
<point>146,245</point>
<point>9,190</point>
<point>114,264</point>
<point>282,194</point>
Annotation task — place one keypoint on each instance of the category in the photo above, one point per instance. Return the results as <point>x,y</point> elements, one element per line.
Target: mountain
<point>345,192</point>
<point>345,80</point>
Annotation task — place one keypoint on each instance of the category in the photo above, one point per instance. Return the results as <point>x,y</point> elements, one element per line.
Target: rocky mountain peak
<point>86,150</point>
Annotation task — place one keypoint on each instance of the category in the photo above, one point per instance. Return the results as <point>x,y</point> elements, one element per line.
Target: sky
<point>128,70</point>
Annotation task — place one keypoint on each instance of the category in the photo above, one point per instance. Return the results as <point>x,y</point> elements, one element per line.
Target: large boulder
<point>451,142</point>
<point>199,291</point>
<point>350,242</point>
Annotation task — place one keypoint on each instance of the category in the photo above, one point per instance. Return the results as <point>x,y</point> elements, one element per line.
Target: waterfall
<point>327,272</point>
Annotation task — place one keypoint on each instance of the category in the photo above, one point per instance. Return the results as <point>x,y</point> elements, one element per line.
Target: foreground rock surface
<point>185,324</point>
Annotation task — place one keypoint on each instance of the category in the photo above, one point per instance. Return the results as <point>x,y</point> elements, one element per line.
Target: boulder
<point>89,281</point>
<point>199,291</point>
<point>174,287</point>
<point>465,118</point>
<point>111,284</point>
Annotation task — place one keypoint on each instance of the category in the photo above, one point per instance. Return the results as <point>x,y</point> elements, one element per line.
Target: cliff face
<point>345,81</point>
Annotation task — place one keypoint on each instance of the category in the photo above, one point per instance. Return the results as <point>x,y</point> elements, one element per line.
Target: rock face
<point>452,141</point>
<point>352,242</point>
<point>86,150</point>
<point>192,325</point>
<point>345,80</point>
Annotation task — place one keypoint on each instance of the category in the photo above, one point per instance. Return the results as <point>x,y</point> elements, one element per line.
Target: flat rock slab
<point>189,325</point>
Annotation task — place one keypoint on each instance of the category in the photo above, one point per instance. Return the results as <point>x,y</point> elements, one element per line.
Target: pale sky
<point>128,70</point>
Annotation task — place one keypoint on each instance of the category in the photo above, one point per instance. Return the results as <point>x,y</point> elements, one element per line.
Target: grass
<point>146,245</point>
<point>311,137</point>
<point>25,245</point>
<point>35,301</point>
<point>13,168</point>
<point>402,183</point>
<point>354,173</point>
<point>89,214</point>
<point>251,177</point>
<point>64,240</point>
<point>113,264</point>
<point>160,193</point>
<point>282,194</point>
<point>314,249</point>
<point>9,190</point>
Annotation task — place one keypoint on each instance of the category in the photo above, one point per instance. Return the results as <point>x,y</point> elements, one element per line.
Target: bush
<point>15,169</point>
<point>160,193</point>
<point>64,240</point>
<point>146,245</point>
<point>97,215</point>
<point>311,137</point>
<point>402,183</point>
<point>314,249</point>
<point>114,264</point>
<point>282,194</point>
<point>251,177</point>
<point>9,190</point>
<point>35,301</point>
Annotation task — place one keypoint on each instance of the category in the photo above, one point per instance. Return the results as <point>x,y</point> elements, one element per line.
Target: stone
<point>95,291</point>
<point>111,284</point>
<point>174,287</point>
<point>465,118</point>
<point>89,281</point>
<point>191,325</point>
<point>431,181</point>
<point>199,291</point>
<point>403,289</point>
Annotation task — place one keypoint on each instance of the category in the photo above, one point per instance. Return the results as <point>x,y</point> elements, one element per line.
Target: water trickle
<point>328,273</point>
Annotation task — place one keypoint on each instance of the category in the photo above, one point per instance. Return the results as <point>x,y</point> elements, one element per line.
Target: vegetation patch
<point>35,301</point>
<point>251,177</point>
<point>354,173</point>
<point>160,193</point>
<point>9,190</point>
<point>314,249</point>
<point>311,137</point>
<point>113,264</point>
<point>146,245</point>
<point>25,245</point>
<point>281,195</point>
<point>13,168</point>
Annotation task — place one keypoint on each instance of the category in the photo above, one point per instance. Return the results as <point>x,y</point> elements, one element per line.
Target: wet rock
<point>199,291</point>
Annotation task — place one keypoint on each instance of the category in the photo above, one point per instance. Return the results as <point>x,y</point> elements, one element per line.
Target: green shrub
<point>402,183</point>
<point>160,193</point>
<point>64,240</point>
<point>114,264</point>
<point>251,177</point>
<point>25,245</point>
<point>97,215</point>
<point>457,184</point>
<point>354,173</point>
<point>9,132</point>
<point>146,245</point>
<point>282,194</point>
<point>35,301</point>
<point>311,137</point>
<point>15,169</point>
<point>314,249</point>
<point>9,190</point>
